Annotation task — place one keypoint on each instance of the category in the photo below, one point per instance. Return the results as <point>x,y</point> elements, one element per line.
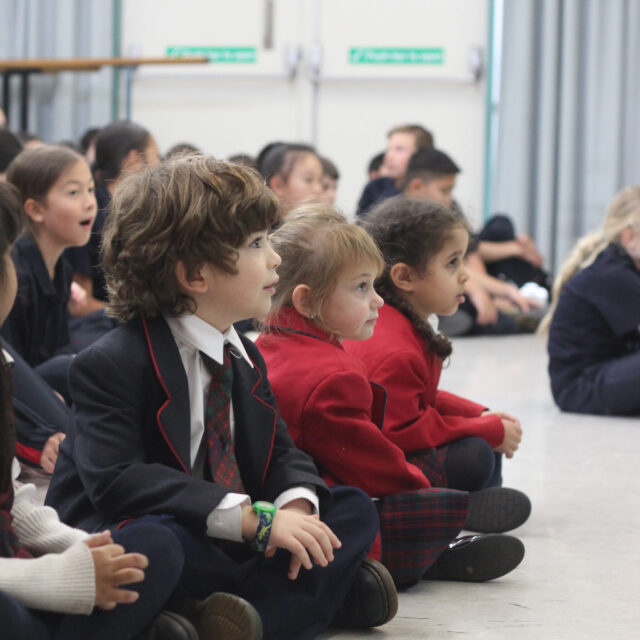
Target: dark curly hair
<point>411,231</point>
<point>195,209</point>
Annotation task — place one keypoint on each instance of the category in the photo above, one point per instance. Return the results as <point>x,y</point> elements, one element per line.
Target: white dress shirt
<point>192,335</point>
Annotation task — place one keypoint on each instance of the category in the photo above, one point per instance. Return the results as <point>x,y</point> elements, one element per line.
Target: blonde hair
<point>316,244</point>
<point>623,212</point>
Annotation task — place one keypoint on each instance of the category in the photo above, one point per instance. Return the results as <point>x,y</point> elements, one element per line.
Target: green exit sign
<point>231,55</point>
<point>396,55</point>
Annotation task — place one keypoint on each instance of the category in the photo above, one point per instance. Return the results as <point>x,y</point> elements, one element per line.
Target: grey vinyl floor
<point>580,578</point>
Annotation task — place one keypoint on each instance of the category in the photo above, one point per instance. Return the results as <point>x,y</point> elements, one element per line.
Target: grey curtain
<point>567,133</point>
<point>62,105</point>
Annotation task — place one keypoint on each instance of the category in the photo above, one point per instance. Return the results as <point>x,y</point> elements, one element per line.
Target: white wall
<point>228,108</point>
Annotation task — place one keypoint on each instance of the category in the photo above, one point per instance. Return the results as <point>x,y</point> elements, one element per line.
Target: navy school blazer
<point>128,452</point>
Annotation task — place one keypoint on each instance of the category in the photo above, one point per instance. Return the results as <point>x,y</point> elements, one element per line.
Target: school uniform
<point>375,192</point>
<point>48,581</point>
<point>131,454</point>
<point>336,415</point>
<point>86,259</point>
<point>37,327</point>
<point>594,340</point>
<point>419,416</point>
<point>38,412</point>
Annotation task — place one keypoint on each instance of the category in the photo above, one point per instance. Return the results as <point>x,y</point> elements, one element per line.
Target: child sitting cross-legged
<point>325,295</point>
<point>458,443</point>
<point>175,422</point>
<point>61,583</point>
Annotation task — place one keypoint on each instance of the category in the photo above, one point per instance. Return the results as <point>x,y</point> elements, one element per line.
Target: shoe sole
<point>228,617</point>
<point>483,558</point>
<point>181,625</point>
<point>497,510</point>
<point>384,579</point>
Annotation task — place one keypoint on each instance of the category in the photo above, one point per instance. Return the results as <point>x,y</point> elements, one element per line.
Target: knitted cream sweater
<point>63,580</point>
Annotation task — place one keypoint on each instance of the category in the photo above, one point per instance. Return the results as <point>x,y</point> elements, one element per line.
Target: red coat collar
<point>288,319</point>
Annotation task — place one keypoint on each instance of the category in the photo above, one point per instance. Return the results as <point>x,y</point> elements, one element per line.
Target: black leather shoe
<point>223,616</point>
<point>477,558</point>
<point>496,510</point>
<point>170,626</point>
<point>372,599</point>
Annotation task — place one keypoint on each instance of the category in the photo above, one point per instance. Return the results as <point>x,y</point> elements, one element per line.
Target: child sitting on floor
<point>175,422</point>
<point>57,194</point>
<point>325,295</point>
<point>294,173</point>
<point>594,337</point>
<point>424,245</point>
<point>55,581</point>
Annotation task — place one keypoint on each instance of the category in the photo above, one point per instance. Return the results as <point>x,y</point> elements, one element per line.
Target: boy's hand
<point>301,534</point>
<point>49,455</point>
<point>114,568</point>
<point>512,433</point>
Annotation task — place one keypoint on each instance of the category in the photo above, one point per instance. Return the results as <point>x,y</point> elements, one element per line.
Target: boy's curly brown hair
<point>192,208</point>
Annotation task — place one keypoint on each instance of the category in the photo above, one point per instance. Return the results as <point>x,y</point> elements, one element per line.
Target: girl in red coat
<point>325,294</point>
<point>456,442</point>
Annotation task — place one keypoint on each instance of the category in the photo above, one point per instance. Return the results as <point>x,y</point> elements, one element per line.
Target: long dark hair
<point>10,227</point>
<point>411,231</point>
<point>113,144</point>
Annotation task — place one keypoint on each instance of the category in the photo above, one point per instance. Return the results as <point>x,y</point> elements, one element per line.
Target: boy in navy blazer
<point>186,255</point>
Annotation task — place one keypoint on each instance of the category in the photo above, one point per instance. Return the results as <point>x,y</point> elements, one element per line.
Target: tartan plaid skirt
<point>416,527</point>
<point>431,463</point>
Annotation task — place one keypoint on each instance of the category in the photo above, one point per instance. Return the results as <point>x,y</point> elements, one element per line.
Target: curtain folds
<point>568,128</point>
<point>63,105</point>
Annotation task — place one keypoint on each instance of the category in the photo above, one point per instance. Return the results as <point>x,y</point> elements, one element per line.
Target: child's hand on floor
<point>512,433</point>
<point>114,568</point>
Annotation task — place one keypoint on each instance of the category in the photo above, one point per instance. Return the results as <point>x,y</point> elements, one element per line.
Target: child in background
<point>56,189</point>
<point>192,437</point>
<point>294,173</point>
<point>424,245</point>
<point>75,573</point>
<point>325,295</point>
<point>431,176</point>
<point>375,168</point>
<point>330,177</point>
<point>10,147</point>
<point>120,148</point>
<point>594,339</point>
<point>402,142</point>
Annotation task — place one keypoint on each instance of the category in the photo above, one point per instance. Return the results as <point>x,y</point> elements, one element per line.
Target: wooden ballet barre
<point>55,65</point>
<point>26,66</point>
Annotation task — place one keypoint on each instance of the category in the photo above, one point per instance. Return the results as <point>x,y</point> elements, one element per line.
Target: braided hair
<point>412,232</point>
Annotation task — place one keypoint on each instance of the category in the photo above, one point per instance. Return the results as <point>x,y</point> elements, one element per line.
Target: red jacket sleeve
<point>338,432</point>
<point>450,404</point>
<point>414,421</point>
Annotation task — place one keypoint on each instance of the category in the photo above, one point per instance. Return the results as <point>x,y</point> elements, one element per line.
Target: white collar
<point>8,358</point>
<point>201,336</point>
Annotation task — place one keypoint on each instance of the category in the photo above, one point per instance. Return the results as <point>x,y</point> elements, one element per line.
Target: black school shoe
<point>477,558</point>
<point>223,616</point>
<point>496,510</point>
<point>372,599</point>
<point>169,626</point>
